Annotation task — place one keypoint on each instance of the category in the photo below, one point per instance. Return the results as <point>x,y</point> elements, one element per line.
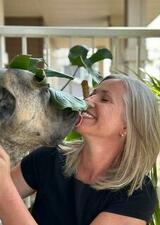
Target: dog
<point>28,119</point>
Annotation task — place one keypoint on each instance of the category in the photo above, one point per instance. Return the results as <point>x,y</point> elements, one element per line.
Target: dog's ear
<point>7,104</point>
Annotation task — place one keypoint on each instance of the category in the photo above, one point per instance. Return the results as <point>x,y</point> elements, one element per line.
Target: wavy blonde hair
<point>142,140</point>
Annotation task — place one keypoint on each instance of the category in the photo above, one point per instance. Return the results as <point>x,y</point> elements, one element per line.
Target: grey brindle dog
<point>28,119</point>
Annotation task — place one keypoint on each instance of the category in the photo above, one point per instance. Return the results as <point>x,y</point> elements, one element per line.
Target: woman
<point>101,180</point>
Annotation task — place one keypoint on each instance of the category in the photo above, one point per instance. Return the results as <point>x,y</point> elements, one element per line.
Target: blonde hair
<point>142,139</point>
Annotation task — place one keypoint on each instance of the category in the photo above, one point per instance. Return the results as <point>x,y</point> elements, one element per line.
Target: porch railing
<point>47,33</point>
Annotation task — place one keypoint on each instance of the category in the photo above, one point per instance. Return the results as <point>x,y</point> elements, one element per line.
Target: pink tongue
<point>79,119</point>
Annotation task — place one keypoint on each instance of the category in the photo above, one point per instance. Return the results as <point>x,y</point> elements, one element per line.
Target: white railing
<point>38,31</point>
<point>112,33</point>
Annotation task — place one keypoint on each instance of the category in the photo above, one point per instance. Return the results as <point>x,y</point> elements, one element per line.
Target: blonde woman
<point>102,180</point>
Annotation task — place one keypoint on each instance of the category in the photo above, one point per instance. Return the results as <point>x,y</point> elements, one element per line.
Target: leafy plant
<point>36,66</point>
<point>64,100</point>
<point>78,56</point>
<point>60,99</point>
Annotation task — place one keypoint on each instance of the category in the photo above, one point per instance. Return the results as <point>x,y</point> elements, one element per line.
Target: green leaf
<point>53,73</point>
<point>40,76</point>
<point>72,136</point>
<point>76,54</point>
<point>20,62</point>
<point>156,216</point>
<point>25,62</point>
<point>94,83</point>
<point>101,54</point>
<point>64,100</point>
<point>155,82</point>
<point>33,64</point>
<point>94,74</point>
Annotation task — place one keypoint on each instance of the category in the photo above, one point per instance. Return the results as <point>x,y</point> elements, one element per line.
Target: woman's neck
<point>95,159</point>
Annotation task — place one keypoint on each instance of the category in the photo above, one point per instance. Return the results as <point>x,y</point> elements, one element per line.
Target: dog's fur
<point>28,119</point>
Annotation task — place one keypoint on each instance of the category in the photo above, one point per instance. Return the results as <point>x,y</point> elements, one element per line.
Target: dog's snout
<point>69,113</point>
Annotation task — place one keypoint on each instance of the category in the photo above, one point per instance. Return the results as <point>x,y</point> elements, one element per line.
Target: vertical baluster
<point>24,45</point>
<point>47,51</point>
<point>2,51</point>
<point>115,53</point>
<point>70,43</point>
<point>93,44</point>
<point>138,55</point>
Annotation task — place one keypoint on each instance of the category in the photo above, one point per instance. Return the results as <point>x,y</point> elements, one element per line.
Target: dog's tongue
<point>79,120</point>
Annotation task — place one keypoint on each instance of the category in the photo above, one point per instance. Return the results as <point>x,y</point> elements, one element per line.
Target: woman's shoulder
<point>146,193</point>
<point>140,204</point>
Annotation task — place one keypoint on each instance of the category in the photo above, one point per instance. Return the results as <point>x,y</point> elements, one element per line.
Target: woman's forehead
<point>111,84</point>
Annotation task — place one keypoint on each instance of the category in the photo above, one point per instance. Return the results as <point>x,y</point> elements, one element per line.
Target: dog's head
<point>27,116</point>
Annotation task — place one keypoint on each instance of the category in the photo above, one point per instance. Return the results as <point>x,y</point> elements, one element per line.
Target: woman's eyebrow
<point>105,92</point>
<point>102,91</point>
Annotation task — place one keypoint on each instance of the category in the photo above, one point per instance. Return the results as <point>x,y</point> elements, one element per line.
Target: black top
<point>68,201</point>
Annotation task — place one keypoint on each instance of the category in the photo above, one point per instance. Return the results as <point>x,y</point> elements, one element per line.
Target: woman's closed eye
<point>102,95</point>
<point>105,100</point>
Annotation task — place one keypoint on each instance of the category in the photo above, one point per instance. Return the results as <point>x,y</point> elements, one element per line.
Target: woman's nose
<point>91,100</point>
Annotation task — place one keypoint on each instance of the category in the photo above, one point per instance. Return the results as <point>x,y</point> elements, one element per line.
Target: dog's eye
<point>45,91</point>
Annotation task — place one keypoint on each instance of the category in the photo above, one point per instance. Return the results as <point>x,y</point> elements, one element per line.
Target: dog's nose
<point>70,113</point>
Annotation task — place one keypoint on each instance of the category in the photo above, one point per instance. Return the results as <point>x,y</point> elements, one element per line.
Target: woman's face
<point>105,117</point>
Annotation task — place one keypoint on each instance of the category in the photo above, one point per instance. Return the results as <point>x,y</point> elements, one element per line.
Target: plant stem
<point>70,80</point>
<point>85,88</point>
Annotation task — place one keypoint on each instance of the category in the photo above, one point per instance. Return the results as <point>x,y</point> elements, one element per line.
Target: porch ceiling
<point>68,12</point>
<point>78,12</point>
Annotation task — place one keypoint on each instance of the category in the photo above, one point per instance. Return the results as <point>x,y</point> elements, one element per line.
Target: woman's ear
<point>123,132</point>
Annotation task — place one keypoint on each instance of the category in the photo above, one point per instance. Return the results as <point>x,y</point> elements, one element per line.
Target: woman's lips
<point>85,115</point>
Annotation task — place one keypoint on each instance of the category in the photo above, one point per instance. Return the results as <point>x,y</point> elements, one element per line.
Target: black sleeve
<point>36,166</point>
<point>141,204</point>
